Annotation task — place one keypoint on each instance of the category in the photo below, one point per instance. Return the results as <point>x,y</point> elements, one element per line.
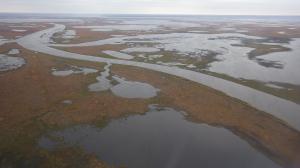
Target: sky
<point>194,7</point>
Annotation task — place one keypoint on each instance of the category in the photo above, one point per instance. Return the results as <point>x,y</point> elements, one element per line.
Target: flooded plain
<point>150,92</point>
<point>231,56</point>
<point>283,109</point>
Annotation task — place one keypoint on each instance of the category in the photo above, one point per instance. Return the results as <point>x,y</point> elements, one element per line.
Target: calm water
<point>280,108</point>
<point>162,139</point>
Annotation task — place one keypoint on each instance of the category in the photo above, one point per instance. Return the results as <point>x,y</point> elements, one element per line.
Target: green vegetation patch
<point>263,49</point>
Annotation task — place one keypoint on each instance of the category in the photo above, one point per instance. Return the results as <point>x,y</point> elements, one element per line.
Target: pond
<point>161,138</point>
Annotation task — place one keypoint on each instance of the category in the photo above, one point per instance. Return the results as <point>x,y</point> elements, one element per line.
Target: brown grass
<point>93,50</point>
<point>32,91</point>
<point>281,143</point>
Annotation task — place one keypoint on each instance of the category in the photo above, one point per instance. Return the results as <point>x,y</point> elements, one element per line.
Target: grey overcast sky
<point>209,7</point>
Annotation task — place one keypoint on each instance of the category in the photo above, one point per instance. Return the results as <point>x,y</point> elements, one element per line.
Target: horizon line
<point>144,14</point>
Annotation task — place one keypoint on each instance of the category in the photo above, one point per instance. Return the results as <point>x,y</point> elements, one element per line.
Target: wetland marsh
<point>149,92</point>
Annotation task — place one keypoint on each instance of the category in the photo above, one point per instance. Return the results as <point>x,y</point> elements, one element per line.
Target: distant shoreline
<point>153,15</point>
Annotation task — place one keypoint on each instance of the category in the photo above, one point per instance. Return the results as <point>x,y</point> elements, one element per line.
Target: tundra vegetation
<point>31,96</point>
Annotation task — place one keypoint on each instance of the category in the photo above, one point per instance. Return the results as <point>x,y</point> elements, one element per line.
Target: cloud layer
<point>227,7</point>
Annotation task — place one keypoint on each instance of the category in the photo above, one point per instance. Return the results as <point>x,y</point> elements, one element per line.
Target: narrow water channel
<point>280,108</point>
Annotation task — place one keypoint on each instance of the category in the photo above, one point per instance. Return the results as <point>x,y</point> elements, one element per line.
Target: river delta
<point>149,92</point>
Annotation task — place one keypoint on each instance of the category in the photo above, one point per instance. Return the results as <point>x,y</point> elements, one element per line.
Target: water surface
<point>130,89</point>
<point>9,63</point>
<point>126,89</point>
<point>283,109</point>
<point>162,138</point>
<point>118,54</point>
<point>14,51</point>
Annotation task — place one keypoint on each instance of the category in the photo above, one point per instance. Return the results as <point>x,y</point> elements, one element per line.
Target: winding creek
<point>283,109</point>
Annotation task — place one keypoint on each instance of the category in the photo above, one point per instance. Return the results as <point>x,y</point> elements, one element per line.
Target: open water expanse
<point>162,138</point>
